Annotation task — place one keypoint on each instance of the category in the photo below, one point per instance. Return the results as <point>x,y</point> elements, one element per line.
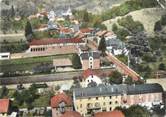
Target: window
<point>110,102</point>
<point>97,104</point>
<point>110,108</point>
<point>110,97</point>
<point>116,102</point>
<point>104,109</point>
<point>80,105</point>
<point>5,56</point>
<point>103,103</point>
<point>96,98</point>
<point>89,98</point>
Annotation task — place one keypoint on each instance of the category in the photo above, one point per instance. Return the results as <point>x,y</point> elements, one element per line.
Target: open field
<point>12,37</point>
<point>27,63</point>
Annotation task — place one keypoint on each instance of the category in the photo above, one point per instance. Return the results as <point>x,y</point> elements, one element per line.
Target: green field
<point>27,63</point>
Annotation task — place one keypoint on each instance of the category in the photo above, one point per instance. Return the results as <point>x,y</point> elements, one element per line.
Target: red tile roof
<point>54,41</point>
<point>86,30</point>
<point>61,97</point>
<point>65,30</point>
<point>87,73</point>
<point>71,114</point>
<point>4,105</point>
<point>101,33</point>
<point>115,113</point>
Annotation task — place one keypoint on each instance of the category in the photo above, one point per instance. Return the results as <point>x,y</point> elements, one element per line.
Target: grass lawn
<point>42,101</point>
<point>27,63</point>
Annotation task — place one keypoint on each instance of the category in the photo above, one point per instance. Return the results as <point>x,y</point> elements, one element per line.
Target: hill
<point>147,17</point>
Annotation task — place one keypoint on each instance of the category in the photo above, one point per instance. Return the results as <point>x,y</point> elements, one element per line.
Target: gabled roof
<point>86,30</point>
<point>61,97</point>
<point>111,90</point>
<point>101,33</point>
<point>66,30</point>
<point>54,41</point>
<point>4,105</point>
<point>115,113</point>
<point>86,55</point>
<point>87,73</point>
<point>71,114</point>
<point>109,33</point>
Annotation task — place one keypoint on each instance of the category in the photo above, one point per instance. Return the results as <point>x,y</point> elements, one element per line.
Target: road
<point>48,77</point>
<point>11,35</point>
<point>39,78</point>
<point>126,70</point>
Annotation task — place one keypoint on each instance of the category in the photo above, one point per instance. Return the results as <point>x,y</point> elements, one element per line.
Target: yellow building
<point>90,100</point>
<point>87,104</point>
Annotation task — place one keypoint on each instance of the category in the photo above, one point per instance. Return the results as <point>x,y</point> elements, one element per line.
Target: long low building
<point>48,45</point>
<point>108,97</point>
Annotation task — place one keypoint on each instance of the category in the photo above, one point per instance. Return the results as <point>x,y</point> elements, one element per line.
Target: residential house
<point>113,44</point>
<point>116,47</point>
<point>90,79</point>
<point>4,107</point>
<point>90,60</point>
<point>67,13</point>
<point>107,97</point>
<point>114,113</point>
<point>61,103</point>
<point>51,16</point>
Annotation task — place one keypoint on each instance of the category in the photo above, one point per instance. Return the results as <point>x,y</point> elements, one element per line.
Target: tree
<point>102,45</point>
<point>85,16</point>
<point>163,19</point>
<point>76,61</point>
<point>114,27</point>
<point>28,31</point>
<point>137,111</point>
<point>161,66</point>
<point>157,26</point>
<point>4,91</point>
<point>12,11</point>
<point>116,78</point>
<point>122,33</point>
<point>129,81</point>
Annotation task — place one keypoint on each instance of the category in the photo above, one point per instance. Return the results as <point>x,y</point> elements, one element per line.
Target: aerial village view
<point>82,58</point>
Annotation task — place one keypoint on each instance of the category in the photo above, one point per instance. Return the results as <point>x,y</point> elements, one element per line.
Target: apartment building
<point>91,100</point>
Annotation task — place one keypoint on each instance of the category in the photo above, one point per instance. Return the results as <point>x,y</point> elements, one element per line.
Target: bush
<point>148,57</point>
<point>14,47</point>
<point>157,26</point>
<point>130,24</point>
<point>163,20</point>
<point>122,33</point>
<point>161,66</point>
<point>76,61</point>
<point>116,78</point>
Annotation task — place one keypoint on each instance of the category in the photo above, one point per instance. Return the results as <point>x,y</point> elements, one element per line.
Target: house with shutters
<point>90,60</point>
<point>91,100</point>
<point>61,103</point>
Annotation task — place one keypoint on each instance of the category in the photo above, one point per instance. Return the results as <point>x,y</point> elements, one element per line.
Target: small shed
<point>62,63</point>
